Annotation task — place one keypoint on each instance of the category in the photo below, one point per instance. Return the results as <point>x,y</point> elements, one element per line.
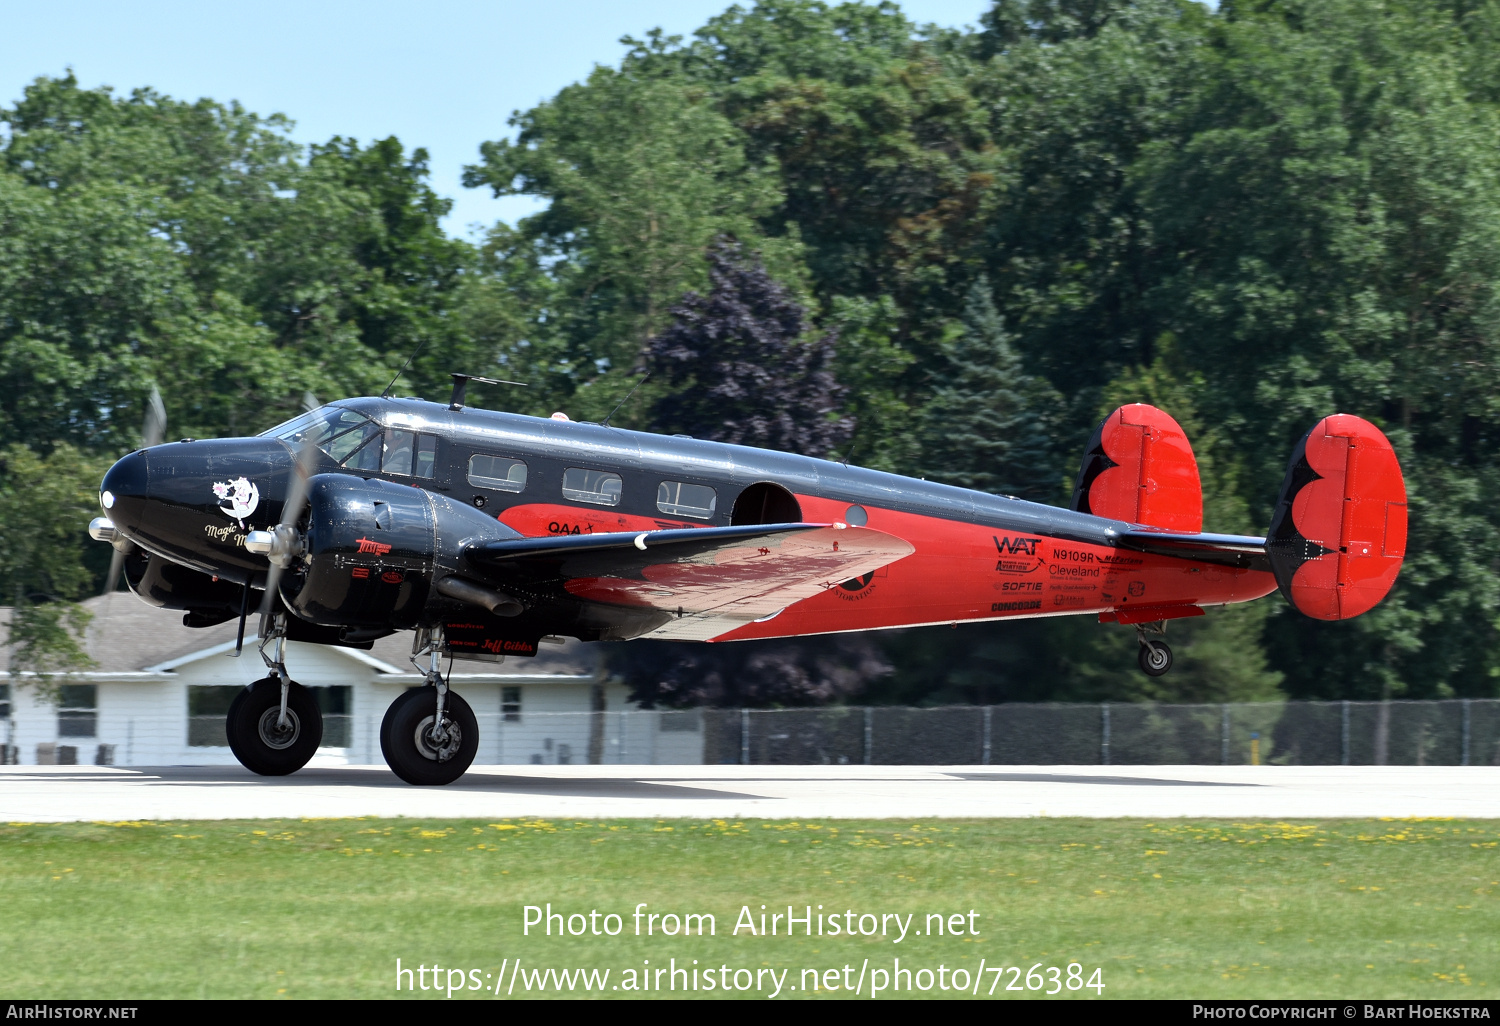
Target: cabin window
<point>596,486</point>
<point>77,706</point>
<point>510,705</point>
<point>398,447</point>
<point>426,463</point>
<point>498,472</point>
<point>367,456</point>
<point>679,499</point>
<point>4,701</point>
<point>335,430</point>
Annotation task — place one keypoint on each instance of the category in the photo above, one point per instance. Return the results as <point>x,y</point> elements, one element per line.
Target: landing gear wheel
<point>1155,658</point>
<point>258,738</point>
<point>415,750</point>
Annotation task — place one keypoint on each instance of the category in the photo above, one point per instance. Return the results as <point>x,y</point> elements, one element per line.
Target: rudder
<point>1338,536</point>
<point>1139,467</point>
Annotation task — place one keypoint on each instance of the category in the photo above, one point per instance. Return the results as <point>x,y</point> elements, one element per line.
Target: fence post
<point>1465,761</point>
<point>987,711</point>
<point>1344,734</point>
<point>869,733</point>
<point>1224,737</point>
<point>744,737</point>
<point>1104,734</point>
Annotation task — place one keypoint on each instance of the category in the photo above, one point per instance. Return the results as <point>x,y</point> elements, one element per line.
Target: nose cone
<point>124,490</point>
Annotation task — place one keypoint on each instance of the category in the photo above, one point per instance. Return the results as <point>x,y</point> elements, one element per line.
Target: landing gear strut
<point>274,726</point>
<point>1155,657</point>
<point>429,734</point>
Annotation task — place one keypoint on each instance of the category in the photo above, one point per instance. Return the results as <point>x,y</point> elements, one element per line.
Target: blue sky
<point>444,74</point>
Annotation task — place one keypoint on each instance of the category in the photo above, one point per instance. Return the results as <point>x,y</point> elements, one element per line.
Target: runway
<point>36,794</point>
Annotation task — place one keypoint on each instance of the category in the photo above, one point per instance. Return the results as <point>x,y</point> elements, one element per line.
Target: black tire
<point>253,734</point>
<point>1155,658</point>
<point>408,752</point>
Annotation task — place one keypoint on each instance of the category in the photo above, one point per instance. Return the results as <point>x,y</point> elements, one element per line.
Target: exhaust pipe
<point>497,602</point>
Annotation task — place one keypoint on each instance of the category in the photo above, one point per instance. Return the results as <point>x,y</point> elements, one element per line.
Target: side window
<point>426,456</point>
<point>352,438</point>
<point>596,486</point>
<point>367,456</point>
<point>686,500</point>
<point>76,710</point>
<point>510,705</point>
<point>398,448</point>
<point>498,472</point>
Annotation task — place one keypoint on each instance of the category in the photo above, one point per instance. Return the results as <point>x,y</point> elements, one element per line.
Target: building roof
<point>128,636</point>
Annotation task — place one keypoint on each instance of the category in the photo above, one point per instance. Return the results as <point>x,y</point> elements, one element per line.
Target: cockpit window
<point>334,429</point>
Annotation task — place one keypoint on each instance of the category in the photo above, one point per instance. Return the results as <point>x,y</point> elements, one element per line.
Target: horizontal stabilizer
<point>1234,550</point>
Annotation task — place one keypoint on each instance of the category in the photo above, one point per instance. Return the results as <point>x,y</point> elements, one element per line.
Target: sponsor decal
<point>1068,601</point>
<point>372,546</point>
<point>559,527</point>
<point>1009,548</point>
<point>1011,607</point>
<point>500,647</point>
<point>360,573</point>
<point>238,498</point>
<point>858,583</point>
<point>393,577</point>
<point>1137,589</point>
<point>1018,586</point>
<point>1073,571</point>
<point>856,589</point>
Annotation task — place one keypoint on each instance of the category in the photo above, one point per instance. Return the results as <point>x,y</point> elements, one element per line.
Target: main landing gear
<point>429,734</point>
<point>1155,657</point>
<point>274,725</point>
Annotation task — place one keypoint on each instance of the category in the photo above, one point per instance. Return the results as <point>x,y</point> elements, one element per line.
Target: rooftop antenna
<point>622,402</point>
<point>853,439</point>
<point>387,393</point>
<point>461,383</point>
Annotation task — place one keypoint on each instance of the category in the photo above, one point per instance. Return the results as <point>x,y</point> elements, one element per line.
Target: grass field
<point>323,908</point>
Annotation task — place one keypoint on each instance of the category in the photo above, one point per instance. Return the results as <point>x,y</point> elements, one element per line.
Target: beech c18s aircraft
<point>485,532</point>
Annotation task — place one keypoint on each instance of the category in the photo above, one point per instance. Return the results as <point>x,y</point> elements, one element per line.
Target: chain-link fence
<point>1460,732</point>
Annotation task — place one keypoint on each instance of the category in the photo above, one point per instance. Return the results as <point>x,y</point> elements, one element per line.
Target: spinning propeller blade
<point>153,430</point>
<point>291,512</point>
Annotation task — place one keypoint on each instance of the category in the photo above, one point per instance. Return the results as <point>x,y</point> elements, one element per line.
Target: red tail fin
<point>1140,468</point>
<point>1338,535</point>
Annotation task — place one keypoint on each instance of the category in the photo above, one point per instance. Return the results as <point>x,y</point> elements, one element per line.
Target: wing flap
<point>710,580</point>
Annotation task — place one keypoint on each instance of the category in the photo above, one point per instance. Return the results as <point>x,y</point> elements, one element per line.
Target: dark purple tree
<point>744,370</point>
<point>742,367</point>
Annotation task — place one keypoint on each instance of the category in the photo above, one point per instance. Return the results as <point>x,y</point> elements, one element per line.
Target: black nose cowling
<point>124,491</point>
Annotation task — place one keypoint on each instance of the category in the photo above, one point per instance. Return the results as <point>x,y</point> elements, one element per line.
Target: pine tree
<point>989,425</point>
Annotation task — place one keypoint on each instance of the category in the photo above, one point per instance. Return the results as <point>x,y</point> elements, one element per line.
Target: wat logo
<point>1017,555</point>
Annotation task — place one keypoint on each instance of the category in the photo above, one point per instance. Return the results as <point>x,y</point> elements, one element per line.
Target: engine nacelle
<point>374,551</point>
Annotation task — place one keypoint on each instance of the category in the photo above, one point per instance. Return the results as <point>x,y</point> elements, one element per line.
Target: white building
<point>158,692</point>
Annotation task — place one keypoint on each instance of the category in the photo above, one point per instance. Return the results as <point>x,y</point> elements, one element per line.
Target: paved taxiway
<point>72,793</point>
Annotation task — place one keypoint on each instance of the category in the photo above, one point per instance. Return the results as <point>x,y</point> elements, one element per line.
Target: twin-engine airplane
<point>485,532</point>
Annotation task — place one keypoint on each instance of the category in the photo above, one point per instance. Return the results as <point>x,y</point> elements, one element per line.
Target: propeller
<point>152,431</point>
<point>283,543</point>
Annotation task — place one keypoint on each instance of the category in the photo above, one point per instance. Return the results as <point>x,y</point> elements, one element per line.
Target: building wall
<point>145,717</point>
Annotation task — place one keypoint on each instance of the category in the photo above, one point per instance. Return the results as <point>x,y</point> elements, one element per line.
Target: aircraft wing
<point>705,581</point>
<point>1224,549</point>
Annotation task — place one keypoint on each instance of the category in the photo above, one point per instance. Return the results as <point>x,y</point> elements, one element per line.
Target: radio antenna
<point>387,393</point>
<point>853,438</point>
<point>622,402</point>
